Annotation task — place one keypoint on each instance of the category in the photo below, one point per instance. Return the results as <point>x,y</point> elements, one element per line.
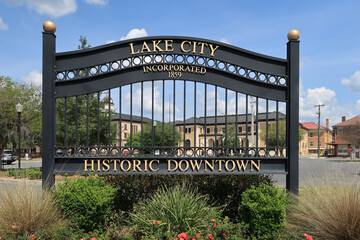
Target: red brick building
<point>346,135</point>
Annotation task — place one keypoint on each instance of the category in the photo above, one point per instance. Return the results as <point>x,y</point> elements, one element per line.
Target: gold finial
<point>49,26</point>
<point>293,35</point>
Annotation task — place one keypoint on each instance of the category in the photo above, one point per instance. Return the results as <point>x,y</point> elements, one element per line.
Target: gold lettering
<point>253,164</point>
<point>132,49</point>
<point>169,165</point>
<point>146,165</point>
<point>136,165</point>
<point>176,67</point>
<point>197,69</point>
<point>187,69</point>
<point>150,165</point>
<point>153,67</point>
<point>171,67</point>
<point>241,166</point>
<point>86,165</point>
<point>145,46</point>
<point>202,47</point>
<point>211,166</point>
<point>98,165</point>
<point>166,67</point>
<point>194,47</point>
<point>106,164</point>
<point>115,167</point>
<point>168,46</point>
<point>227,165</point>
<point>156,46</point>
<point>160,68</point>
<point>195,164</point>
<point>186,164</point>
<point>220,161</point>
<point>212,49</point>
<point>203,70</point>
<point>182,46</point>
<point>181,68</point>
<point>122,165</point>
<point>148,68</point>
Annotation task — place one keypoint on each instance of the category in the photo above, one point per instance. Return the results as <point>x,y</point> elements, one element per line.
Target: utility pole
<point>252,121</point>
<point>319,106</point>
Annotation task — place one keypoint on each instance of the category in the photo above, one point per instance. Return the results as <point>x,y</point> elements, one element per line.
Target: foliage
<point>328,210</point>
<point>29,96</point>
<point>83,43</point>
<point>228,137</point>
<point>76,130</point>
<point>25,210</point>
<point>86,201</point>
<point>264,210</point>
<point>159,134</point>
<point>30,173</point>
<point>224,190</point>
<point>172,211</point>
<point>272,139</point>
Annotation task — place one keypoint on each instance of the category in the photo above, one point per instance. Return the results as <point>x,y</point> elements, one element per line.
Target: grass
<point>24,209</point>
<point>330,210</point>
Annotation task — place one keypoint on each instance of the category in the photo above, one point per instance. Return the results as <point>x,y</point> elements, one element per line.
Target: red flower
<point>153,222</point>
<point>93,239</point>
<point>0,237</point>
<point>83,239</point>
<point>33,236</point>
<point>158,222</point>
<point>192,238</point>
<point>213,220</point>
<point>183,236</point>
<point>224,234</point>
<point>210,236</point>
<point>198,235</point>
<point>308,237</point>
<point>215,226</point>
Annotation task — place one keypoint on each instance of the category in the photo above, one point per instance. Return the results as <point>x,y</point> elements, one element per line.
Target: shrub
<point>264,210</point>
<point>224,190</point>
<point>330,210</point>
<point>172,211</point>
<point>25,209</point>
<point>86,201</point>
<point>30,173</point>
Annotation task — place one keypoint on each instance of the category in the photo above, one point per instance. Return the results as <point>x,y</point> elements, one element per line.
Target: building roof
<point>241,118</point>
<point>126,117</point>
<point>310,125</point>
<point>351,122</point>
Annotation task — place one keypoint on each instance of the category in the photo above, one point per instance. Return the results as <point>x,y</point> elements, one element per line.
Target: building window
<point>125,127</point>
<point>311,135</point>
<point>240,129</point>
<point>201,130</point>
<point>187,130</point>
<point>125,135</point>
<point>208,130</point>
<point>311,144</point>
<point>340,131</point>
<point>187,143</point>
<point>249,129</point>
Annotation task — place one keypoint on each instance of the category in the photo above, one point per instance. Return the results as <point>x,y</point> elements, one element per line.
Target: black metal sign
<point>169,105</point>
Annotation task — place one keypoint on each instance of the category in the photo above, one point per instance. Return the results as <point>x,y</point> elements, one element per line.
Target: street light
<point>19,109</point>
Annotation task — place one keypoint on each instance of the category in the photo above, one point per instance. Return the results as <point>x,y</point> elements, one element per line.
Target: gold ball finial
<point>293,35</point>
<point>49,26</point>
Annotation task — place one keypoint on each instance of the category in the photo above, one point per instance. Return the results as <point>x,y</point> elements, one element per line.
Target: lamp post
<point>19,109</point>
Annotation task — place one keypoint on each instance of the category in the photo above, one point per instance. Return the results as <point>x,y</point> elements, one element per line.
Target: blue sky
<point>329,37</point>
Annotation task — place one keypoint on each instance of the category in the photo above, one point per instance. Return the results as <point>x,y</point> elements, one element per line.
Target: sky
<point>329,37</point>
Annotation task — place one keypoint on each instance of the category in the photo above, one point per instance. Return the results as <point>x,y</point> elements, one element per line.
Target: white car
<point>7,157</point>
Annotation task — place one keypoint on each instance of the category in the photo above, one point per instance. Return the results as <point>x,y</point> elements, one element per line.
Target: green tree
<point>148,132</point>
<point>228,137</point>
<point>272,140</point>
<point>29,96</point>
<point>82,115</point>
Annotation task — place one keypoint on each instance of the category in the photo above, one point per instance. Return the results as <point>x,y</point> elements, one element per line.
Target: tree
<point>29,96</point>
<point>82,123</point>
<point>272,140</point>
<point>147,136</point>
<point>352,134</point>
<point>228,137</point>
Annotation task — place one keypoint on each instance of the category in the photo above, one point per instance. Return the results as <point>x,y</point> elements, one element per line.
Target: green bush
<point>225,191</point>
<point>86,201</point>
<point>30,173</point>
<point>172,211</point>
<point>264,210</point>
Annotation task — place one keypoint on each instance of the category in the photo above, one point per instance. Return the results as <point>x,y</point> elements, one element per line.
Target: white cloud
<point>3,26</point>
<point>358,104</point>
<point>97,2</point>
<point>110,41</point>
<point>135,33</point>
<point>224,40</point>
<point>53,8</point>
<point>34,78</point>
<point>353,83</point>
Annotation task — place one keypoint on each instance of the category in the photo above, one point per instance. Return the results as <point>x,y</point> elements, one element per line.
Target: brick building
<point>347,134</point>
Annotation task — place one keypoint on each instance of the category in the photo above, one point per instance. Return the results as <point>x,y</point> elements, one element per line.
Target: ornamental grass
<point>329,210</point>
<point>26,209</point>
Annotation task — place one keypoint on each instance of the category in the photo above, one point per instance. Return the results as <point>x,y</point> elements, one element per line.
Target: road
<point>312,170</point>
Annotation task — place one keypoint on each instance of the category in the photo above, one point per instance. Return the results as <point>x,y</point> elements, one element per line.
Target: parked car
<point>7,157</point>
